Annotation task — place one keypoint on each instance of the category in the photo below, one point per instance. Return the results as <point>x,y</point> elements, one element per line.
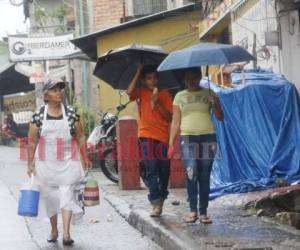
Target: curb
<point>141,221</point>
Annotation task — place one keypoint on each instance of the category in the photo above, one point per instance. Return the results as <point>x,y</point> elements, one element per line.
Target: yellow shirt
<point>195,112</point>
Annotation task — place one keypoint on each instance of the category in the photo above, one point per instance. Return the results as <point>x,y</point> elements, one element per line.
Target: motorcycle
<point>102,144</point>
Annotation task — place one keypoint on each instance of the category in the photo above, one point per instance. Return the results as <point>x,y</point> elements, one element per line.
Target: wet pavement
<point>111,232</point>
<point>13,229</point>
<point>232,228</point>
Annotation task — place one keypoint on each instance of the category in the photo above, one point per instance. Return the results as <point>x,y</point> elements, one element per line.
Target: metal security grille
<point>147,7</point>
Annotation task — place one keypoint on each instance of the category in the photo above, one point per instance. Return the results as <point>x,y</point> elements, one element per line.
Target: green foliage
<point>57,15</point>
<point>60,14</point>
<point>41,18</point>
<point>87,117</point>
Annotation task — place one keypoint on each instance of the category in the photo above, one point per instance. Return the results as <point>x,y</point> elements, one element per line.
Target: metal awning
<point>218,26</point>
<point>224,20</point>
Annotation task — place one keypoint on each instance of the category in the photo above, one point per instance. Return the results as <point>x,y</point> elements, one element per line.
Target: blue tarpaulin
<point>259,140</point>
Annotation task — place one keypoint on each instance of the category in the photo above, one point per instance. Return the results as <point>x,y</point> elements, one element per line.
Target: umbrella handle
<point>207,74</point>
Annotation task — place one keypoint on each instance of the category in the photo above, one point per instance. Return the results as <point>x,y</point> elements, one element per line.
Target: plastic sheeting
<point>259,140</point>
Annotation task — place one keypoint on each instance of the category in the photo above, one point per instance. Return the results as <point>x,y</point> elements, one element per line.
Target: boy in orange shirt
<point>155,115</point>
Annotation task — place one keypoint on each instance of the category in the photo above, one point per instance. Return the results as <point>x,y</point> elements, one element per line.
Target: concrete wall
<point>250,21</point>
<point>256,17</point>
<point>291,47</point>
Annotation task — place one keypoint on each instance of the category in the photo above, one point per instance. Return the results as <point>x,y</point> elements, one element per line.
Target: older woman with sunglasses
<point>54,128</point>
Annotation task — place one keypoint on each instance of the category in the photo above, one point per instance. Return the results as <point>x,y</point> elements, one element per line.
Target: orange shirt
<point>152,124</point>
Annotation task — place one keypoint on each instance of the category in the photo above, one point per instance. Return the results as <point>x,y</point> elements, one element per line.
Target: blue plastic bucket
<point>28,203</point>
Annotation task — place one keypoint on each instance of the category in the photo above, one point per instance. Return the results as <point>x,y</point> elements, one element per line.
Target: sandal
<point>52,239</point>
<point>68,242</point>
<point>204,219</point>
<point>191,218</point>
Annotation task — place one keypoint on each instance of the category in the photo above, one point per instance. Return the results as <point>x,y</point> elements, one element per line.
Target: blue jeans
<point>157,168</point>
<point>197,153</point>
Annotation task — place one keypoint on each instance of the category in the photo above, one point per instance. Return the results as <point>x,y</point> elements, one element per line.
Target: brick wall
<point>107,13</point>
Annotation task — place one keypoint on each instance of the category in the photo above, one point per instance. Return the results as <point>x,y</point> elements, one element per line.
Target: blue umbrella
<point>205,54</point>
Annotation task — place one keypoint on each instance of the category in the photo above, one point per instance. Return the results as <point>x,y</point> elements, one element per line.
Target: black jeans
<point>157,166</point>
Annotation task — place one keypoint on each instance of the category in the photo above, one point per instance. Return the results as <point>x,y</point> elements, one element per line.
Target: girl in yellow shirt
<point>192,118</point>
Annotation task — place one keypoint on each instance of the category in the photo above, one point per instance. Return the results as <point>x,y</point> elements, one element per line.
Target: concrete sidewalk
<point>232,228</point>
<point>13,229</point>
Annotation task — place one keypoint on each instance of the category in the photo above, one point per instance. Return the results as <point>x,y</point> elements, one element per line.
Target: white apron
<point>58,177</point>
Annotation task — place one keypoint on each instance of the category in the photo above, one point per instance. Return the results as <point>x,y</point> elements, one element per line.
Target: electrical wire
<point>262,19</point>
<point>177,37</point>
<point>263,52</point>
<point>186,43</point>
<point>246,28</point>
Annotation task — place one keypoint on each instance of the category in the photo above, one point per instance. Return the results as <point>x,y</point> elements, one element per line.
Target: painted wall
<point>249,24</point>
<point>291,47</point>
<point>174,32</point>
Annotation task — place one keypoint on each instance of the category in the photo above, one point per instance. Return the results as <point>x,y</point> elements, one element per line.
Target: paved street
<point>30,234</point>
<point>13,229</point>
<point>232,227</point>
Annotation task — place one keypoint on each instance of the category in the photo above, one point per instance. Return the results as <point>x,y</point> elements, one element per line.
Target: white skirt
<point>55,198</point>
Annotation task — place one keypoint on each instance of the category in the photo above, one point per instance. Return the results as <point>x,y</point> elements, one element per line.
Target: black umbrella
<point>118,66</point>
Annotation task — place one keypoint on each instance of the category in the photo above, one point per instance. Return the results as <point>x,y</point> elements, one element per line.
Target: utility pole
<point>85,66</point>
